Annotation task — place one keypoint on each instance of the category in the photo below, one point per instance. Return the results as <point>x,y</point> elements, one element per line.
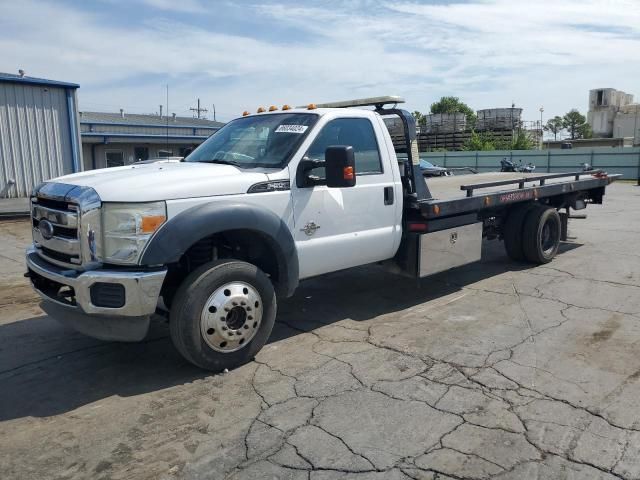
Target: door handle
<point>388,195</point>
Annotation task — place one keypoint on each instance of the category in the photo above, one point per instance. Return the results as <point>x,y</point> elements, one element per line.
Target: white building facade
<point>611,113</point>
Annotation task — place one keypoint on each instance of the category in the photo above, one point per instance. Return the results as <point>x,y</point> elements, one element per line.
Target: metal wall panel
<point>35,137</point>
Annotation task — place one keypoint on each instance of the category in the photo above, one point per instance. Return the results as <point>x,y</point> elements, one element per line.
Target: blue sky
<point>244,54</point>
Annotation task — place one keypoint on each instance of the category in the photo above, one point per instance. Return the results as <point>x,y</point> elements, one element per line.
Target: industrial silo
<point>492,119</point>
<point>445,123</point>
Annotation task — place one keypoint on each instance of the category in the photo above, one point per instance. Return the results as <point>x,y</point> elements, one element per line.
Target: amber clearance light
<point>151,223</point>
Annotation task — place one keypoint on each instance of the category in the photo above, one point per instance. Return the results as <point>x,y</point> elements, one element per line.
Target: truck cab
<point>272,198</point>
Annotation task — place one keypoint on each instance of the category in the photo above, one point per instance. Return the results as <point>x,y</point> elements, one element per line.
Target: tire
<point>541,235</point>
<point>513,229</point>
<point>222,314</point>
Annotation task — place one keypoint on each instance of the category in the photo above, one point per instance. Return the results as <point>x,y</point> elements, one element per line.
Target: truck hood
<point>165,181</point>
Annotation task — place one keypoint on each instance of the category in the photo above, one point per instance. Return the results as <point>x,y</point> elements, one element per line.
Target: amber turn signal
<point>151,223</point>
<point>347,173</point>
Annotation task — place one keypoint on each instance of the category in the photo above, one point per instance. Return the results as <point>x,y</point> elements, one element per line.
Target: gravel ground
<point>494,370</point>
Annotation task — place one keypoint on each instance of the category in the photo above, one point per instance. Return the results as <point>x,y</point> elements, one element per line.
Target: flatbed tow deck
<point>461,194</point>
<point>445,231</point>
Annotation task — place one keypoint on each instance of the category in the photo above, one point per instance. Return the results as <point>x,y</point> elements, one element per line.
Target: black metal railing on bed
<point>522,180</point>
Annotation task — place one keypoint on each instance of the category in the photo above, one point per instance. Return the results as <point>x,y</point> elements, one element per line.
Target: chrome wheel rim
<point>231,317</point>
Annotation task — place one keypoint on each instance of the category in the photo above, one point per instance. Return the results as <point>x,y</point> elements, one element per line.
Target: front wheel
<point>222,314</point>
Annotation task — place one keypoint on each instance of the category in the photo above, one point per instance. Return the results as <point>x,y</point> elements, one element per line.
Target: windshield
<point>256,141</point>
<point>425,164</point>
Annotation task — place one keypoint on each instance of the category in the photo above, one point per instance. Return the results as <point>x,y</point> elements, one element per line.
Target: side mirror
<point>340,166</point>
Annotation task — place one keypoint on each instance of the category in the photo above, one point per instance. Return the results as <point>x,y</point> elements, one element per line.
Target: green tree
<point>576,124</point>
<point>454,105</point>
<point>585,131</point>
<point>480,141</point>
<point>421,119</point>
<point>555,125</point>
<point>521,140</point>
<point>484,141</point>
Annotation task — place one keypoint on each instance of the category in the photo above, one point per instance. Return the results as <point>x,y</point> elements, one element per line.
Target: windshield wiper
<point>223,162</point>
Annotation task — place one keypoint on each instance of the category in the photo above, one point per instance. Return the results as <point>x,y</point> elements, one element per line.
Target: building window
<point>115,158</point>
<point>600,98</point>
<point>140,153</point>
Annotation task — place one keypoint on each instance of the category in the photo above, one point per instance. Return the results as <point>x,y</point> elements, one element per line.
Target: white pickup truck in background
<point>269,200</point>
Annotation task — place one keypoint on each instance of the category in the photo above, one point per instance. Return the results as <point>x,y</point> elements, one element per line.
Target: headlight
<point>128,227</point>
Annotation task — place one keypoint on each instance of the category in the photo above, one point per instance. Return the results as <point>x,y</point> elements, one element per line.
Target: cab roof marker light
<point>286,107</point>
<point>261,110</point>
<point>273,108</point>
<point>311,106</point>
<point>245,113</point>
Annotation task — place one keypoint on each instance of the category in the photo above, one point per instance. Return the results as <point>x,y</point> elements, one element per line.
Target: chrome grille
<point>63,220</point>
<point>63,246</point>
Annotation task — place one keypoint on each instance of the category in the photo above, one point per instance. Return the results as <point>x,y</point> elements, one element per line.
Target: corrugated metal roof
<point>12,78</point>
<point>149,120</point>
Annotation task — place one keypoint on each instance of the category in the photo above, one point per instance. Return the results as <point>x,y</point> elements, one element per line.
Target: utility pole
<point>635,133</point>
<point>214,111</point>
<point>541,129</point>
<point>198,110</point>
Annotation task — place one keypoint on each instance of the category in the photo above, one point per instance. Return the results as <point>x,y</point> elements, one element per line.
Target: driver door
<point>337,228</point>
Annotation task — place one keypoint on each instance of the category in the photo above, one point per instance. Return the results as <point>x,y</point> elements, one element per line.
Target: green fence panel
<point>622,160</point>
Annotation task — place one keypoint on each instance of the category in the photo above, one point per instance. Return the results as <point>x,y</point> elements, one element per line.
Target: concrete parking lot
<point>495,370</point>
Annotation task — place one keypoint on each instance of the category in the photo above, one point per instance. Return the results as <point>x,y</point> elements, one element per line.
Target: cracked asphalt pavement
<point>494,370</point>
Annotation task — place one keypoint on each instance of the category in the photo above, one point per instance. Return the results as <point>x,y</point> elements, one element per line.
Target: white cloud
<point>489,53</point>
<point>187,6</point>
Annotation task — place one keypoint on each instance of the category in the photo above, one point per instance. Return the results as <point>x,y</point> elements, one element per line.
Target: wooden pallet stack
<point>451,141</point>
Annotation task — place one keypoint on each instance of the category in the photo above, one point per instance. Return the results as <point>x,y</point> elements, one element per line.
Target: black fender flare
<point>175,237</point>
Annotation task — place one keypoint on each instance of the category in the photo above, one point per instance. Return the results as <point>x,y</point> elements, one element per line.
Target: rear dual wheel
<point>222,314</point>
<point>532,232</point>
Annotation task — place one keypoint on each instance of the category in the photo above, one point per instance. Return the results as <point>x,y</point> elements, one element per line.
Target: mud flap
<point>564,226</point>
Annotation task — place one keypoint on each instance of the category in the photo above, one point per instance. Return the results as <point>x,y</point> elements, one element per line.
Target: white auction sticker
<point>291,129</point>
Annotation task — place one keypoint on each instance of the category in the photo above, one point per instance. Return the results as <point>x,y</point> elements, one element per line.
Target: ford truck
<point>215,240</point>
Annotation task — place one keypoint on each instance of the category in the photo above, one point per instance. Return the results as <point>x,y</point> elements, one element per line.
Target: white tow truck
<point>269,200</point>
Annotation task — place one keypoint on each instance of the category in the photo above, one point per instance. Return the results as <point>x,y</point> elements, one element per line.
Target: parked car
<point>430,170</point>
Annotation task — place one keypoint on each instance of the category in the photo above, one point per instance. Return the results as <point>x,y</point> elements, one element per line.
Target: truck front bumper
<point>105,304</point>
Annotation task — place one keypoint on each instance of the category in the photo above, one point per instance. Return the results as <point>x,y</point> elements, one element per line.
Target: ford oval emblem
<point>46,229</point>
